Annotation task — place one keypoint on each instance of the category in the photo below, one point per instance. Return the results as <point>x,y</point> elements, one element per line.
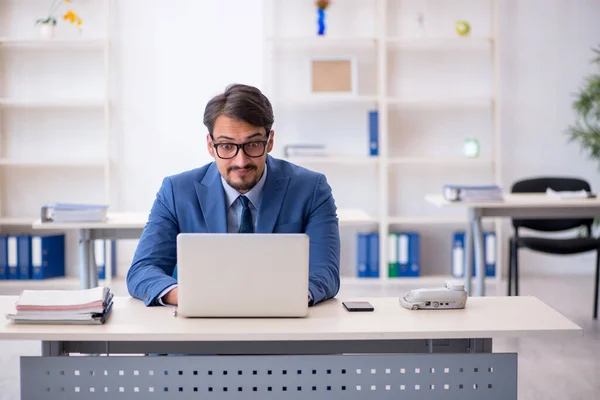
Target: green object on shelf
<point>471,148</point>
<point>462,28</point>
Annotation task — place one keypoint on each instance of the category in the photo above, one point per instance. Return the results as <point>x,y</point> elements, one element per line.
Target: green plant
<point>586,130</point>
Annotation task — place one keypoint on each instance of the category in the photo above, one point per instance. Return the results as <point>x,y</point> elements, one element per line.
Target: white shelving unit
<point>401,74</point>
<point>55,134</point>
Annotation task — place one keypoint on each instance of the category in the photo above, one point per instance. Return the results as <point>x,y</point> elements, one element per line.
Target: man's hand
<point>171,297</point>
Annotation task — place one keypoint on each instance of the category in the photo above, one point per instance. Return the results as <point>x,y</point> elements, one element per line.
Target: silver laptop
<point>242,275</point>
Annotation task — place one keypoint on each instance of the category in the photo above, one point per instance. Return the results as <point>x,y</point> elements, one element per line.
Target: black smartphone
<point>358,305</point>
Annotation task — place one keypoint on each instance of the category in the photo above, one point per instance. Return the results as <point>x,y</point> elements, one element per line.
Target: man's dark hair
<point>240,102</point>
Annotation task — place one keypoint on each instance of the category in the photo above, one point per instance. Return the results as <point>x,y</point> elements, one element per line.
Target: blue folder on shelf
<point>458,255</point>
<point>47,256</point>
<point>3,257</point>
<point>373,133</point>
<point>362,255</point>
<point>373,257</point>
<point>24,256</point>
<point>12,271</point>
<point>409,254</point>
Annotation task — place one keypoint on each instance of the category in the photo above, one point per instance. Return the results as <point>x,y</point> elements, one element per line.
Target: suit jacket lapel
<point>212,200</point>
<point>272,198</point>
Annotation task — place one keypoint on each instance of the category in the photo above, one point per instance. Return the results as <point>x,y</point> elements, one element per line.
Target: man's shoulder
<point>294,171</point>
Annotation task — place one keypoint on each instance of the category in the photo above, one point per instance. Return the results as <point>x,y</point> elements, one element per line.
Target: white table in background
<point>392,351</point>
<point>525,206</point>
<point>117,226</point>
<point>130,226</point>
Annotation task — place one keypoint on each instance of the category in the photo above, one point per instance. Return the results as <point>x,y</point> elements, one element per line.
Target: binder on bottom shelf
<point>368,255</point>
<point>105,254</point>
<point>3,257</point>
<point>362,256</point>
<point>458,254</point>
<point>47,256</point>
<point>12,264</point>
<point>409,254</point>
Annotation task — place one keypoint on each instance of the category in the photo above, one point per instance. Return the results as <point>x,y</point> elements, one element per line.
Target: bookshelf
<point>432,89</point>
<point>55,112</point>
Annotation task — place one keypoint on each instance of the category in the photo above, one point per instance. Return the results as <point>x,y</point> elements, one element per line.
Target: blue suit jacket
<point>294,200</point>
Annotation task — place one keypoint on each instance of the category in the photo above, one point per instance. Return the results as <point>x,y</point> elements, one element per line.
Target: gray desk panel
<point>412,376</point>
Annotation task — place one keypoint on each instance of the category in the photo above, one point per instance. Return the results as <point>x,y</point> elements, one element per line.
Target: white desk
<point>131,226</point>
<point>390,347</point>
<point>117,226</point>
<point>527,206</point>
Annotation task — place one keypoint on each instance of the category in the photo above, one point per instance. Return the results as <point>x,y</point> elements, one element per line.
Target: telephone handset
<point>451,296</point>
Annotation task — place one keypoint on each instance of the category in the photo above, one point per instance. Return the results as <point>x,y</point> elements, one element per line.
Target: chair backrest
<point>539,185</point>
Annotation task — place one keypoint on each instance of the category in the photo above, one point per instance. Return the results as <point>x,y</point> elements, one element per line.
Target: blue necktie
<point>246,225</point>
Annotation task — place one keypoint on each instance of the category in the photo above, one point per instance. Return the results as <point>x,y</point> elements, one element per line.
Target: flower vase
<point>321,21</point>
<point>46,31</point>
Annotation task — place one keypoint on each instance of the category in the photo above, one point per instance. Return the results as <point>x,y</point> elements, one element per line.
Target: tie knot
<point>244,201</point>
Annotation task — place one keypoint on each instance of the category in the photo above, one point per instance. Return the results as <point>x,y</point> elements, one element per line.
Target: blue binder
<point>363,255</point>
<point>3,257</point>
<point>48,256</point>
<point>13,263</point>
<point>373,133</point>
<point>24,256</point>
<point>373,258</point>
<point>102,257</point>
<point>414,254</point>
<point>458,254</point>
<point>409,257</point>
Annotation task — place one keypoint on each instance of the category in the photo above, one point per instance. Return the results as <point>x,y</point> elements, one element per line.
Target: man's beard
<point>243,186</point>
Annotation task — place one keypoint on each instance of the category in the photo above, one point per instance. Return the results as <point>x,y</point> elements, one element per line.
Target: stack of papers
<point>65,212</point>
<point>568,194</point>
<point>88,306</point>
<point>472,193</point>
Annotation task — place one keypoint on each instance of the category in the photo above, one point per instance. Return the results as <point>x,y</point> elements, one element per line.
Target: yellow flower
<point>70,16</point>
<point>67,1</point>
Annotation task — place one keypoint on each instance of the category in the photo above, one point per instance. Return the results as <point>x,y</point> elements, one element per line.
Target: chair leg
<point>510,265</point>
<point>596,285</point>
<point>516,264</point>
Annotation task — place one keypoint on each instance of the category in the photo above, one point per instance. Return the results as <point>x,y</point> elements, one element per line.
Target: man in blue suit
<point>244,190</point>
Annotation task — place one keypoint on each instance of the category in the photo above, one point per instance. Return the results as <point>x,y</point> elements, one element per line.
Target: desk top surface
<point>115,220</point>
<point>483,317</point>
<point>121,220</point>
<point>529,200</point>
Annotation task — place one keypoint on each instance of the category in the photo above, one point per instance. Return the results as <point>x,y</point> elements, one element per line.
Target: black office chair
<point>547,245</point>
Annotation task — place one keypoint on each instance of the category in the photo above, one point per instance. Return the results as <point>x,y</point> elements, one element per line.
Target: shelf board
<point>445,161</point>
<point>354,217</point>
<point>439,42</point>
<point>321,41</point>
<point>17,221</point>
<point>431,220</point>
<point>51,163</point>
<point>424,280</point>
<point>51,43</point>
<point>341,160</point>
<point>441,103</point>
<point>52,103</point>
<point>426,220</point>
<point>325,99</point>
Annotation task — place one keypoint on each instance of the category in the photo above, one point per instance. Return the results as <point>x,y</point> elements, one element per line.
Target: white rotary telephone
<point>451,296</point>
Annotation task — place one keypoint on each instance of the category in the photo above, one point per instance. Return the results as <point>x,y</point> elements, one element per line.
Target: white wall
<point>545,54</point>
<point>170,58</point>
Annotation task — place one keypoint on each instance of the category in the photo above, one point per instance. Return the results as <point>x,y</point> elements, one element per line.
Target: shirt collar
<point>253,194</point>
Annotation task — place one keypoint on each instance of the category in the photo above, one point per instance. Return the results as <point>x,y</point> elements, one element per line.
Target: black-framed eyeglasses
<point>253,149</point>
